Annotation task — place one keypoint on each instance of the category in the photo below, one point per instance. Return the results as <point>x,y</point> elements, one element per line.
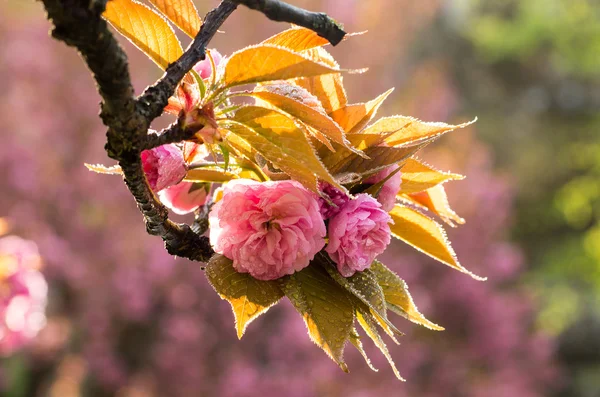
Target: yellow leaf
<point>102,169</point>
<point>267,63</point>
<point>368,323</point>
<point>418,176</point>
<point>435,199</point>
<point>249,297</point>
<point>426,235</point>
<point>182,13</point>
<point>355,340</point>
<point>327,310</point>
<point>353,118</point>
<point>329,88</point>
<point>397,296</point>
<point>209,175</point>
<point>281,141</point>
<point>297,39</point>
<point>146,29</point>
<point>301,104</point>
<point>408,129</point>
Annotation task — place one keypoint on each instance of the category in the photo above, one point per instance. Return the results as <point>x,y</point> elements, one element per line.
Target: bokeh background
<point>125,319</point>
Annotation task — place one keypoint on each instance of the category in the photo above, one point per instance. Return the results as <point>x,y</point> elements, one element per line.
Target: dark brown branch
<point>279,11</point>
<point>172,134</point>
<point>154,99</point>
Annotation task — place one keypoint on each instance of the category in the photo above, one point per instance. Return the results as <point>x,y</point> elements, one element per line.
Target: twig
<point>279,11</point>
<point>172,134</point>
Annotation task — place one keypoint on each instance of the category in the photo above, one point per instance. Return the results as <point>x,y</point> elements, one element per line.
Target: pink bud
<point>203,68</point>
<point>164,166</point>
<point>185,197</point>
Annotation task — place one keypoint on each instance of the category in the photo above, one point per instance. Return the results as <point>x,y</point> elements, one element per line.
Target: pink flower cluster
<point>273,229</point>
<point>23,294</point>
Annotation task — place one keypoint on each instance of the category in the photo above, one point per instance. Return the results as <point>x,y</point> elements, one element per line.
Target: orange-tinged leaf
<point>248,297</point>
<point>281,141</point>
<point>435,199</point>
<point>102,169</point>
<point>297,39</point>
<point>408,129</point>
<point>267,63</point>
<point>146,29</point>
<point>418,176</point>
<point>397,296</point>
<point>353,118</point>
<point>182,13</point>
<point>301,104</point>
<point>329,88</point>
<point>426,235</point>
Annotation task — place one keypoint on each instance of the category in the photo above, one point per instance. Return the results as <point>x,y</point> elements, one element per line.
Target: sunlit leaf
<point>327,310</point>
<point>329,88</point>
<point>102,169</point>
<point>356,342</point>
<point>408,129</point>
<point>397,296</point>
<point>426,235</point>
<point>146,29</point>
<point>301,104</point>
<point>249,297</point>
<point>353,118</point>
<point>182,13</point>
<point>418,176</point>
<point>282,142</point>
<point>435,199</point>
<point>297,39</point>
<point>267,63</point>
<point>368,323</point>
<point>209,175</point>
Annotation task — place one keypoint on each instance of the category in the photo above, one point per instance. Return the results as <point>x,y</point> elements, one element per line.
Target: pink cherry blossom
<point>389,190</point>
<point>357,234</point>
<point>203,68</point>
<point>337,200</point>
<point>268,229</point>
<point>23,294</point>
<point>185,197</point>
<point>164,166</point>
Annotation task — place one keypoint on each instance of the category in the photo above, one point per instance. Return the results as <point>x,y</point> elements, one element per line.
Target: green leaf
<point>356,342</point>
<point>146,29</point>
<point>363,285</point>
<point>426,235</point>
<point>281,141</point>
<point>326,308</point>
<point>209,175</point>
<point>249,297</point>
<point>369,324</point>
<point>397,296</point>
<point>267,63</point>
<point>182,13</point>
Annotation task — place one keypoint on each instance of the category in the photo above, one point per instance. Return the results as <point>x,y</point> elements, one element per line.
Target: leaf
<point>397,296</point>
<point>304,106</point>
<point>426,235</point>
<point>418,176</point>
<point>327,310</point>
<point>182,13</point>
<point>267,63</point>
<point>102,169</point>
<point>363,285</point>
<point>297,39</point>
<point>409,129</point>
<point>282,142</point>
<point>146,29</point>
<point>249,297</point>
<point>435,199</point>
<point>368,323</point>
<point>379,157</point>
<point>209,175</point>
<point>329,88</point>
<point>353,118</point>
<point>355,340</point>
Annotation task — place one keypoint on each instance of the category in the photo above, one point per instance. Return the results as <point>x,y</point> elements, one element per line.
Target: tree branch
<point>172,134</point>
<point>279,11</point>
